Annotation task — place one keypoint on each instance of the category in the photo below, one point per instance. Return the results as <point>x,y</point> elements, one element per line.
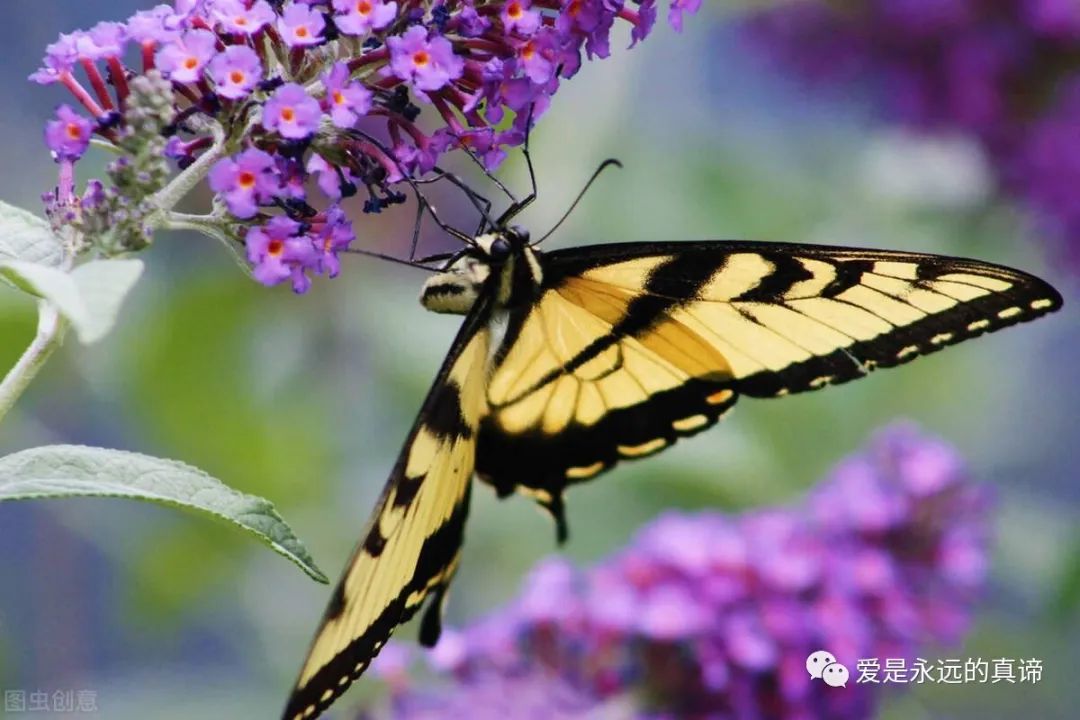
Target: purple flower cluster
<point>331,90</point>
<point>708,615</point>
<point>1004,72</point>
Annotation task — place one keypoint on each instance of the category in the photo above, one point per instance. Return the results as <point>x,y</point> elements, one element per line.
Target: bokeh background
<point>305,399</point>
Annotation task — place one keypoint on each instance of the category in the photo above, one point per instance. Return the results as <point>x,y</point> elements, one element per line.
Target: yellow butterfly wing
<point>411,547</point>
<point>629,347</point>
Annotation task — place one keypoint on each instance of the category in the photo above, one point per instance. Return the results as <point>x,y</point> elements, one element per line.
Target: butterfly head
<point>501,260</point>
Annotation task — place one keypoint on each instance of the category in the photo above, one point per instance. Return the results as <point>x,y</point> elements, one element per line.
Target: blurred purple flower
<point>68,134</point>
<point>678,7</point>
<point>708,615</point>
<point>332,236</point>
<point>518,18</point>
<point>1001,72</point>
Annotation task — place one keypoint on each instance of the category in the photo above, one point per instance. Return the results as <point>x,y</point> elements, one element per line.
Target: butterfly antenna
<point>416,228</point>
<point>487,173</point>
<point>418,264</point>
<point>520,205</point>
<point>420,197</point>
<point>603,166</point>
<point>481,203</point>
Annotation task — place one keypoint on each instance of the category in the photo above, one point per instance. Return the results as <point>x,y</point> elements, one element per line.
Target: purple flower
<point>267,71</point>
<point>708,615</point>
<point>518,18</point>
<point>537,57</point>
<point>153,26</point>
<point>245,181</point>
<point>291,112</point>
<point>233,16</point>
<point>471,23</point>
<point>332,237</point>
<point>301,25</point>
<point>487,144</point>
<point>60,57</point>
<point>68,134</point>
<point>278,253</point>
<point>235,71</point>
<point>104,40</point>
<point>345,101</point>
<point>328,177</point>
<point>358,17</point>
<point>951,67</point>
<point>1054,18</point>
<point>678,7</point>
<point>1046,171</point>
<point>183,59</point>
<point>427,64</point>
<point>579,17</point>
<point>646,18</point>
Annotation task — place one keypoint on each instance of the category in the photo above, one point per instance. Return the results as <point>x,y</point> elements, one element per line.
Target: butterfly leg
<point>481,203</point>
<point>511,212</point>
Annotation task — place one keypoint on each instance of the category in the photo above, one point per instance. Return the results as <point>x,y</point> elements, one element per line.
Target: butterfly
<point>569,361</point>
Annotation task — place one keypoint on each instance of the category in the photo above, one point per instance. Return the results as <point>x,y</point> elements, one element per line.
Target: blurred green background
<point>305,400</point>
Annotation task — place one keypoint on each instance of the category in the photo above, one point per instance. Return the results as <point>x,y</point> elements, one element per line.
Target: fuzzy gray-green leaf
<point>64,471</point>
<point>27,237</point>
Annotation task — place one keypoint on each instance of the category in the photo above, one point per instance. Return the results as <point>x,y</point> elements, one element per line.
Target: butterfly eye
<point>500,249</point>
<point>520,234</point>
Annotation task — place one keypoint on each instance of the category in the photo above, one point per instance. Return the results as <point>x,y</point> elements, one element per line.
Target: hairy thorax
<point>455,289</point>
<point>515,266</point>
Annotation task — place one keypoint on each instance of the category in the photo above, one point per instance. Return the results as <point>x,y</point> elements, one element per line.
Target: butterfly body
<point>570,361</point>
<point>501,264</point>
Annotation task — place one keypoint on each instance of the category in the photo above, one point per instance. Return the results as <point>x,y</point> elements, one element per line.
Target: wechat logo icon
<point>822,666</point>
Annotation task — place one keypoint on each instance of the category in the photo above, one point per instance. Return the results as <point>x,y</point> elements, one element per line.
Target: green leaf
<point>61,471</point>
<point>1066,598</point>
<point>89,297</point>
<point>27,237</point>
<point>103,285</point>
<point>48,283</point>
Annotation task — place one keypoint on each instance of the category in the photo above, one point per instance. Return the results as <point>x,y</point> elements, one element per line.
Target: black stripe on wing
<point>409,552</point>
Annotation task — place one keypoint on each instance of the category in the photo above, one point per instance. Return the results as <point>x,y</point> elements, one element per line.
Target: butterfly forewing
<point>614,352</point>
<point>629,347</point>
<point>411,547</point>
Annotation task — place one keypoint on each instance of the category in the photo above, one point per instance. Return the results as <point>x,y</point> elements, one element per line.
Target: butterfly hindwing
<point>411,547</point>
<point>628,347</point>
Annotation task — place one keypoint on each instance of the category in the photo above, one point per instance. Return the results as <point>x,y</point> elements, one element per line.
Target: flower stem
<point>50,333</point>
<point>168,197</point>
